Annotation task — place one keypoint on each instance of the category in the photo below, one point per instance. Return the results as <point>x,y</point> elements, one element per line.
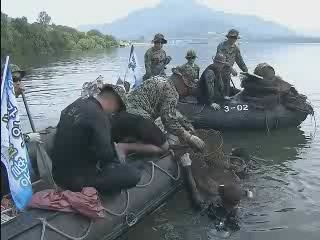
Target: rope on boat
<point>130,223</point>
<point>46,224</point>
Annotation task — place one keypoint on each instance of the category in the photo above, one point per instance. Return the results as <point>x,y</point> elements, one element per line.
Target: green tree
<point>94,32</point>
<point>44,18</point>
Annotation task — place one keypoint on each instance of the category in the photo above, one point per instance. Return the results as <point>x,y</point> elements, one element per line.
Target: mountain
<point>186,18</point>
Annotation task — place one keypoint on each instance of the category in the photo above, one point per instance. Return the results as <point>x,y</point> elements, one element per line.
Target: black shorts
<point>126,125</point>
<point>112,178</point>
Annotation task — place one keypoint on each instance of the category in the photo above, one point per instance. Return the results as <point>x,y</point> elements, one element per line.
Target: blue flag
<point>14,153</point>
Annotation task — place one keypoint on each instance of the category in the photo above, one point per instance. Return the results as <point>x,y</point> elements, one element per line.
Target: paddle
<point>43,160</point>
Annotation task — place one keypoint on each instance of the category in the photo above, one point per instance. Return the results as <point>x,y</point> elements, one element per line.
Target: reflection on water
<point>286,183</point>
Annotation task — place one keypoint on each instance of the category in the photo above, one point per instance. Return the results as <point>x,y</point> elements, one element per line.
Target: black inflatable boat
<point>239,114</point>
<point>161,178</point>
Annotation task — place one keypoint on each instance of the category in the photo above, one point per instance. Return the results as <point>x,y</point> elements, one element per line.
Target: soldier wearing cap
<point>155,58</point>
<point>211,86</point>
<point>233,55</point>
<point>191,57</point>
<point>17,76</point>
<point>158,97</point>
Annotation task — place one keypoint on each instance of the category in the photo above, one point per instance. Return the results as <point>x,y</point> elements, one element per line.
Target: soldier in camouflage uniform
<point>211,85</point>
<point>233,55</point>
<point>158,97</point>
<point>155,59</point>
<point>191,57</point>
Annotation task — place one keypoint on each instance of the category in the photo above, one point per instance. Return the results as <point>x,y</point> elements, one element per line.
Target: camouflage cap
<point>191,54</point>
<point>187,73</point>
<point>220,58</point>
<point>265,70</point>
<point>159,38</point>
<point>119,91</point>
<point>15,68</point>
<point>233,33</point>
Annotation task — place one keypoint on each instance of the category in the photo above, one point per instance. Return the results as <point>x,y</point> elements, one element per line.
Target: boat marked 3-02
<point>239,108</point>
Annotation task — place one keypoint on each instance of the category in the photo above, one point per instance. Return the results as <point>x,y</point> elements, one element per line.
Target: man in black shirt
<point>84,152</point>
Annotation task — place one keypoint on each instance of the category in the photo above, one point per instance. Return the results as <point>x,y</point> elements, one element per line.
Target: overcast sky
<point>300,15</point>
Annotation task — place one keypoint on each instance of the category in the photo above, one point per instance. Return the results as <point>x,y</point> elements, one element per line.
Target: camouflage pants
<point>172,139</point>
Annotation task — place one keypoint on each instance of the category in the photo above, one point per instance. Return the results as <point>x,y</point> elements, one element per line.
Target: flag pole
<point>4,75</point>
<point>131,52</point>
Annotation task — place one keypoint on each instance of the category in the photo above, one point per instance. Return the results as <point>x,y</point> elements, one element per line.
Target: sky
<point>299,15</point>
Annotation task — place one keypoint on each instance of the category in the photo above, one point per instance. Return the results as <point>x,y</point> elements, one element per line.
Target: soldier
<point>155,58</point>
<point>210,86</point>
<point>144,135</point>
<point>158,97</point>
<point>233,54</point>
<point>191,57</point>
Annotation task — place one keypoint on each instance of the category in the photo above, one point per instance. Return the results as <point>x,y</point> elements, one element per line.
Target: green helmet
<point>264,70</point>
<point>187,73</point>
<point>191,54</point>
<point>15,68</point>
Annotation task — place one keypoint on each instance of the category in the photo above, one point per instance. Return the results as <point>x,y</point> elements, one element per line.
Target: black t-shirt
<point>82,140</point>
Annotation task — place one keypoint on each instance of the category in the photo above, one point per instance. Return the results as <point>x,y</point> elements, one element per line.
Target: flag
<point>133,72</point>
<point>14,153</point>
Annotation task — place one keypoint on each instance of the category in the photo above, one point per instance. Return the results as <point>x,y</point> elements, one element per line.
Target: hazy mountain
<point>186,18</point>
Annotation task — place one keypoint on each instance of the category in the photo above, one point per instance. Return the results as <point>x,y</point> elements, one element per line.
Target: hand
<point>121,152</point>
<point>185,160</point>
<point>215,106</point>
<point>227,98</point>
<point>34,137</point>
<point>234,72</point>
<point>197,142</point>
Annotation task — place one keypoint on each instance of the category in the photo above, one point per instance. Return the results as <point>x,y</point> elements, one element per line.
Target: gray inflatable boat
<point>238,114</point>
<point>159,181</point>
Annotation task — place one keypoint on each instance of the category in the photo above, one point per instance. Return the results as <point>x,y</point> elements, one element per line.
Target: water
<point>286,186</point>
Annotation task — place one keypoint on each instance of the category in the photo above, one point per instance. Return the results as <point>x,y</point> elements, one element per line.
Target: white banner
<point>14,154</point>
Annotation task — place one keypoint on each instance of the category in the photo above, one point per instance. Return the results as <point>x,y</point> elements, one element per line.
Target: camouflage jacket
<point>195,68</point>
<point>232,54</point>
<point>155,62</point>
<point>157,97</point>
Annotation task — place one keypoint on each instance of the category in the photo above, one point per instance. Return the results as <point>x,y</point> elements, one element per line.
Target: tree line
<point>44,38</point>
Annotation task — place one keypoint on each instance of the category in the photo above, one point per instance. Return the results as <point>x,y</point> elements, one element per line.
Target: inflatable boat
<point>161,178</point>
<point>239,114</point>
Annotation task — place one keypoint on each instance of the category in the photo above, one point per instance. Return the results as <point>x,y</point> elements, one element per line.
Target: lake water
<point>286,186</point>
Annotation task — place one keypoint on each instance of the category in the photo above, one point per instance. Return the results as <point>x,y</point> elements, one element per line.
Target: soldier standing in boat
<point>191,58</point>
<point>155,58</point>
<point>233,55</point>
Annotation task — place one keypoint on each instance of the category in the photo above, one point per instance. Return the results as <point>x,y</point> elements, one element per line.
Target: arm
<point>240,62</point>
<point>210,77</point>
<point>198,72</point>
<point>220,48</point>
<point>100,128</point>
<point>147,63</point>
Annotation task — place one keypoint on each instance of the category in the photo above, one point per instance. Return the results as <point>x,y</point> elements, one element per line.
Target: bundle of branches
<point>266,94</point>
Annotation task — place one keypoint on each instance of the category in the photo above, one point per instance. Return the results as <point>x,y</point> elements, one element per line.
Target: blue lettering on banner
<point>12,110</point>
<point>20,171</point>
